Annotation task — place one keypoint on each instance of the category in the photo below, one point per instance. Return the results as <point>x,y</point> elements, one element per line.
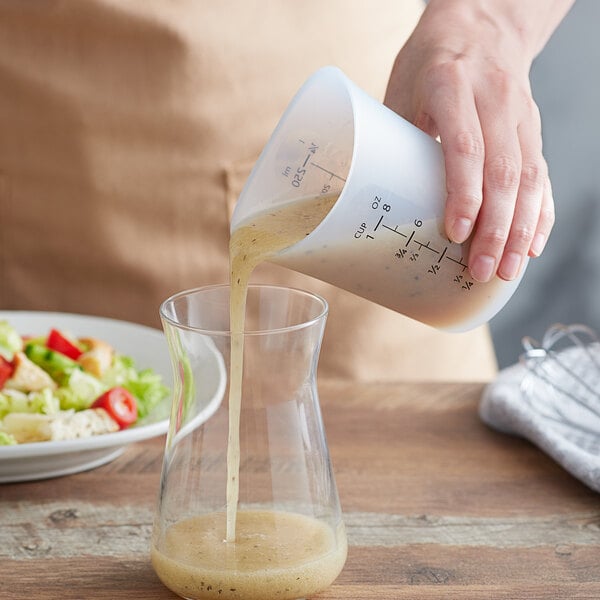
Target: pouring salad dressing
<point>349,192</point>
<point>265,554</point>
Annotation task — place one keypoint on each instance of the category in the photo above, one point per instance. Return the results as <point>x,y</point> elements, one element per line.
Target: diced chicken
<point>27,376</point>
<point>67,425</point>
<point>97,358</point>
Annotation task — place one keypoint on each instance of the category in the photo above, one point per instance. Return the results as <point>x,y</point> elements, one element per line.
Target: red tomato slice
<point>57,341</point>
<point>6,371</point>
<point>120,404</point>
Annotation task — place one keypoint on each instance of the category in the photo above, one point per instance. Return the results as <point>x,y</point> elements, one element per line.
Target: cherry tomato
<point>120,404</point>
<point>57,341</point>
<point>6,371</point>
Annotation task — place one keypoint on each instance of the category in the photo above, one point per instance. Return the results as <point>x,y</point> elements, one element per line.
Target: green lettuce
<point>43,402</point>
<point>6,439</point>
<point>145,385</point>
<point>79,390</point>
<point>10,340</point>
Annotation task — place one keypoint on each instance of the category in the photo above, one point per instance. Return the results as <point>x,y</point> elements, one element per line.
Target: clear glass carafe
<point>288,538</point>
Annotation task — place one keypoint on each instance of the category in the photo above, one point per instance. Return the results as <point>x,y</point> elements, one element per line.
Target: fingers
<point>545,222</point>
<point>517,207</point>
<point>464,157</point>
<point>501,176</point>
<point>526,221</point>
<point>455,115</point>
<point>497,183</point>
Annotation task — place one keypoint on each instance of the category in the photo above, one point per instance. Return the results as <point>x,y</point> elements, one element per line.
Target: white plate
<point>41,460</point>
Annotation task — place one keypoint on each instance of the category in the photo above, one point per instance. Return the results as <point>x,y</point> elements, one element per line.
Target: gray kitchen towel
<point>552,398</point>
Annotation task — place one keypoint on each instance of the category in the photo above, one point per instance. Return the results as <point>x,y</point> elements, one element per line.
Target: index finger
<point>454,112</point>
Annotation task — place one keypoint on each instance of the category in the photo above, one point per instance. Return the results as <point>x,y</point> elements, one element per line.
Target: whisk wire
<point>563,380</point>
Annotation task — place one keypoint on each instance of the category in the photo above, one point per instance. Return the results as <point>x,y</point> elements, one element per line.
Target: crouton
<point>27,376</point>
<point>97,357</point>
<point>66,425</point>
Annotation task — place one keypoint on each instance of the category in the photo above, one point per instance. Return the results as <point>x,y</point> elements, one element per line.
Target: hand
<point>464,76</point>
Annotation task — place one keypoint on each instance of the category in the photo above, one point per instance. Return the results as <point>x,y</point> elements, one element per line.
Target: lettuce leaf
<point>43,402</point>
<point>79,390</point>
<point>145,385</point>
<point>10,340</point>
<point>6,439</point>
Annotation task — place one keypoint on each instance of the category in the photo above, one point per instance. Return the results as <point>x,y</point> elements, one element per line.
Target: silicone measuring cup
<point>384,237</point>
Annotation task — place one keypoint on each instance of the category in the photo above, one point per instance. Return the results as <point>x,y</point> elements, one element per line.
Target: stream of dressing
<point>254,241</point>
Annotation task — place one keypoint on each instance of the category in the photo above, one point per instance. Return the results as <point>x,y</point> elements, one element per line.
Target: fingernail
<point>482,268</point>
<point>538,243</point>
<point>510,265</point>
<point>461,228</point>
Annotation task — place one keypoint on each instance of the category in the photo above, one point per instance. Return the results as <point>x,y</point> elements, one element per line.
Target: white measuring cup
<point>384,238</point>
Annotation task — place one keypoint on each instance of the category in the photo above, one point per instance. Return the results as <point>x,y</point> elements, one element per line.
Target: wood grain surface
<point>437,506</point>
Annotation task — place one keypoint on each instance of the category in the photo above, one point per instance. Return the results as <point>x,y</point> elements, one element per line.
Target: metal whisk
<point>562,382</point>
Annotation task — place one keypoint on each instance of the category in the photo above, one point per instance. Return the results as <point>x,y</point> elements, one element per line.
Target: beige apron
<point>127,129</point>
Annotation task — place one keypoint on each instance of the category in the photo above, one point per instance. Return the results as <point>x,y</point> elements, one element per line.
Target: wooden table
<point>436,506</point>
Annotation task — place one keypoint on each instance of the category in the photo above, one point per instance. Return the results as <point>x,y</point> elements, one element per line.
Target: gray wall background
<point>563,285</point>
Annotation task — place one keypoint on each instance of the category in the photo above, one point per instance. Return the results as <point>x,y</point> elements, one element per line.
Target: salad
<point>57,387</point>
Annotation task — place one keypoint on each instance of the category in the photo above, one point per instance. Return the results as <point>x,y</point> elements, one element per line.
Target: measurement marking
<point>458,262</point>
<point>410,238</point>
<point>330,173</point>
<point>378,223</point>
<point>426,246</point>
<point>306,160</point>
<point>443,254</point>
<point>395,230</point>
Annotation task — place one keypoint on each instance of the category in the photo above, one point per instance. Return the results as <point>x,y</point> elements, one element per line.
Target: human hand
<point>464,76</point>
